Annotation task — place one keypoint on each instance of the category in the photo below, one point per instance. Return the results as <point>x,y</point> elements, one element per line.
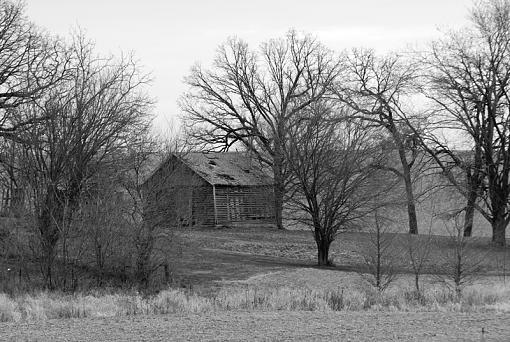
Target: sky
<point>169,36</point>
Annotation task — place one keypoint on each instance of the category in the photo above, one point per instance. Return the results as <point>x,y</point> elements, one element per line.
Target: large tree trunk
<point>470,212</point>
<point>498,192</point>
<point>499,229</point>
<point>279,188</point>
<point>323,253</point>
<point>411,207</point>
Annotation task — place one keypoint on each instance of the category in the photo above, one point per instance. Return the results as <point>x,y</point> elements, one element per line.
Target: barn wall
<point>240,204</point>
<point>176,196</point>
<point>203,206</point>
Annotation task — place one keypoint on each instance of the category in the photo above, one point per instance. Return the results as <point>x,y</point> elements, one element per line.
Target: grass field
<point>214,255</point>
<point>258,283</point>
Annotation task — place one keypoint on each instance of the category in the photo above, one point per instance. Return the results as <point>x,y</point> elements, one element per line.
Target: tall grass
<point>44,305</point>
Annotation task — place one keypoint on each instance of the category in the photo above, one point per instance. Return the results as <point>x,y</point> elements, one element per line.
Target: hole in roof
<point>225,176</point>
<point>212,162</point>
<point>247,170</point>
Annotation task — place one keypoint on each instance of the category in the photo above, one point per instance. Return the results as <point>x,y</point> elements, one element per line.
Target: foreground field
<point>271,326</point>
<point>257,283</point>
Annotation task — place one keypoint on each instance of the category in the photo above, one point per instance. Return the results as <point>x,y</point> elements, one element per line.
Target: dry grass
<point>44,305</point>
<point>257,294</point>
<point>350,291</point>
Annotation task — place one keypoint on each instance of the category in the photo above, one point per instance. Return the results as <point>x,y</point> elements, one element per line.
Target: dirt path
<point>205,267</point>
<point>270,326</point>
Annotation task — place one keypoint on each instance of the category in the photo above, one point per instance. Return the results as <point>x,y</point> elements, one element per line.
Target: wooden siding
<point>238,204</point>
<point>202,209</point>
<point>194,206</point>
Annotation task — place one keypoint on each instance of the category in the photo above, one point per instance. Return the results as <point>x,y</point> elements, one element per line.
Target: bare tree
<point>101,213</point>
<point>379,256</point>
<point>92,115</point>
<point>332,160</point>
<point>461,260</point>
<point>141,219</point>
<point>468,80</point>
<point>376,88</point>
<point>154,187</point>
<point>251,97</point>
<point>419,249</point>
<point>30,64</point>
<point>449,86</point>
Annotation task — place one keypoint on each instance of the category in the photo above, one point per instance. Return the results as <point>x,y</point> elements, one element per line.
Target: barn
<point>209,189</point>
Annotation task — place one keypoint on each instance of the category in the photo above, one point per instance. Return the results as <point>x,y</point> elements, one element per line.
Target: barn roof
<point>227,168</point>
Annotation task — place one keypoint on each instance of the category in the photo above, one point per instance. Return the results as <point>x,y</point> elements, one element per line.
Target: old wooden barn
<point>207,189</point>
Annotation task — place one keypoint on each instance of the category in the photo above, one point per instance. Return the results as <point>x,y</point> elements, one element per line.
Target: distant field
<point>430,219</point>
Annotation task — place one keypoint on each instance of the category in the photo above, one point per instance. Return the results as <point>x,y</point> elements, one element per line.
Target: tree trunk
<point>411,207</point>
<point>474,180</point>
<point>145,243</point>
<point>50,213</point>
<point>499,230</point>
<point>470,212</point>
<point>323,253</point>
<point>278,188</point>
<point>166,270</point>
<point>49,238</point>
<point>417,283</point>
<point>99,262</point>
<point>411,211</point>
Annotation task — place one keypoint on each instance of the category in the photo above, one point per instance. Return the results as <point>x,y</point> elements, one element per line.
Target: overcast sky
<point>169,36</point>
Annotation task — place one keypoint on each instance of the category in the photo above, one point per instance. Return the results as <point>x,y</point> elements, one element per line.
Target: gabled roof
<point>227,168</point>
